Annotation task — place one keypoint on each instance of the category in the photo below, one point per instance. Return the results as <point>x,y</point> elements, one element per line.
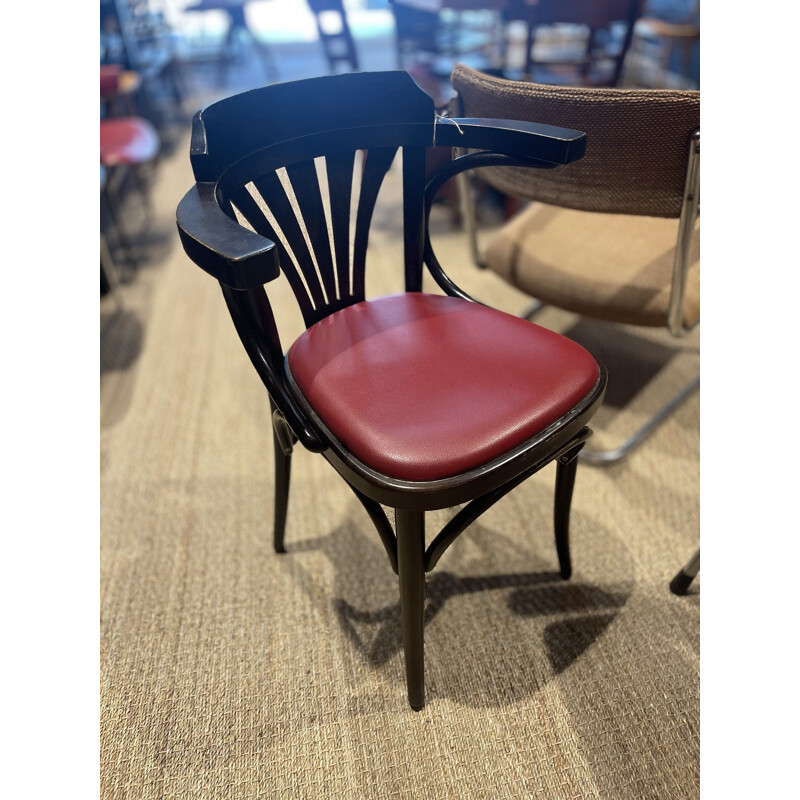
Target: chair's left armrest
<point>512,137</point>
<point>234,255</point>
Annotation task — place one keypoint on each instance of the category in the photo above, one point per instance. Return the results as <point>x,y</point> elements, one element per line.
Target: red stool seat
<point>109,78</point>
<point>127,141</point>
<point>421,387</point>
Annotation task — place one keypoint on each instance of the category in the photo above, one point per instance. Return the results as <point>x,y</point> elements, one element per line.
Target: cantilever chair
<point>419,401</point>
<point>615,237</point>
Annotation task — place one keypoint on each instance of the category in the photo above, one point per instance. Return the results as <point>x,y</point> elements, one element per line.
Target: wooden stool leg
<point>410,527</point>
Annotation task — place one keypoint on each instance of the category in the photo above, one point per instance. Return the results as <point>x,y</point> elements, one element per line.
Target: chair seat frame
<point>243,260</point>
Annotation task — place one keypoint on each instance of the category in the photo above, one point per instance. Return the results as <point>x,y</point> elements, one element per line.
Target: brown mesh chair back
<point>638,140</point>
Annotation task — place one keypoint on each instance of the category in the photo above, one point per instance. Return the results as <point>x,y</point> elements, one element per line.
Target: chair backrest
<point>261,149</point>
<point>637,149</point>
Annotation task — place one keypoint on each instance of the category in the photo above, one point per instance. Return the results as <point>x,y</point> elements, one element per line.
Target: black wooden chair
<point>419,401</point>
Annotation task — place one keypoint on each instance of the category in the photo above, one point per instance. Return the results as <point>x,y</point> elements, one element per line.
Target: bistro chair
<point>419,401</point>
<point>615,237</point>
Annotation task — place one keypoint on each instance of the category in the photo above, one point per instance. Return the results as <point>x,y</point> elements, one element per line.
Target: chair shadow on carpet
<point>570,616</point>
<point>538,594</point>
<point>121,337</point>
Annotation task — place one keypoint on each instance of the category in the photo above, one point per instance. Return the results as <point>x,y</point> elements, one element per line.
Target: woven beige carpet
<point>231,672</point>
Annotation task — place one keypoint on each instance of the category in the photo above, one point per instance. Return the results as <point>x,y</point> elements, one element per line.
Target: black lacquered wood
<point>413,216</point>
<point>435,184</point>
<point>255,324</point>
<point>411,568</point>
<point>220,246</point>
<point>237,126</point>
<point>469,513</point>
<point>339,171</point>
<point>382,525</point>
<point>376,164</point>
<point>566,466</point>
<point>305,183</point>
<point>255,216</point>
<point>273,192</point>
<point>512,137</point>
<point>283,472</point>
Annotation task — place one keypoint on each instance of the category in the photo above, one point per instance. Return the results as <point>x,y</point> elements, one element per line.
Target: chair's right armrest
<point>234,255</point>
<point>516,138</point>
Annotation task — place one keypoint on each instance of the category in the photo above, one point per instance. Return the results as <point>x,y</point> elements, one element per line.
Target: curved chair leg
<point>411,569</point>
<point>283,471</point>
<point>681,582</point>
<point>282,446</point>
<point>566,467</point>
<point>601,458</point>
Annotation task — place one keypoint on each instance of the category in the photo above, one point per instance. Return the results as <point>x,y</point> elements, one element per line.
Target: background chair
<point>238,38</point>
<point>417,400</point>
<point>665,49</point>
<point>684,577</point>
<point>575,42</point>
<point>334,34</point>
<point>109,271</point>
<point>615,238</point>
<point>129,147</point>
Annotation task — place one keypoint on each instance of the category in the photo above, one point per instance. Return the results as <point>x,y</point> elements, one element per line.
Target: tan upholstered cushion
<point>607,266</point>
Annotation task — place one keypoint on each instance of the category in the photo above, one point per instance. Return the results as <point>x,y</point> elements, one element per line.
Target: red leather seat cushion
<point>127,140</point>
<point>421,387</point>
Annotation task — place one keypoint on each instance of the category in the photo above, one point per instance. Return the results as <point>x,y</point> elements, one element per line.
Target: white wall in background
<point>274,20</point>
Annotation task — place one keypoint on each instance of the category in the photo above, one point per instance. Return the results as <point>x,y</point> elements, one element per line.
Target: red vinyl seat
<point>421,387</point>
<point>127,141</point>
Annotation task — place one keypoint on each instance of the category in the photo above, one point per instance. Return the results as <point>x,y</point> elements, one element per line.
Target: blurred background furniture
<point>665,50</point>
<point>238,37</point>
<point>118,90</point>
<point>334,34</point>
<point>129,147</point>
<point>616,237</point>
<point>109,271</point>
<point>572,42</point>
<point>437,33</point>
<point>138,39</point>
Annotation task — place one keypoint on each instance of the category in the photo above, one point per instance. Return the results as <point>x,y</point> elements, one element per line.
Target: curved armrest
<point>473,160</point>
<point>512,137</point>
<point>234,255</point>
